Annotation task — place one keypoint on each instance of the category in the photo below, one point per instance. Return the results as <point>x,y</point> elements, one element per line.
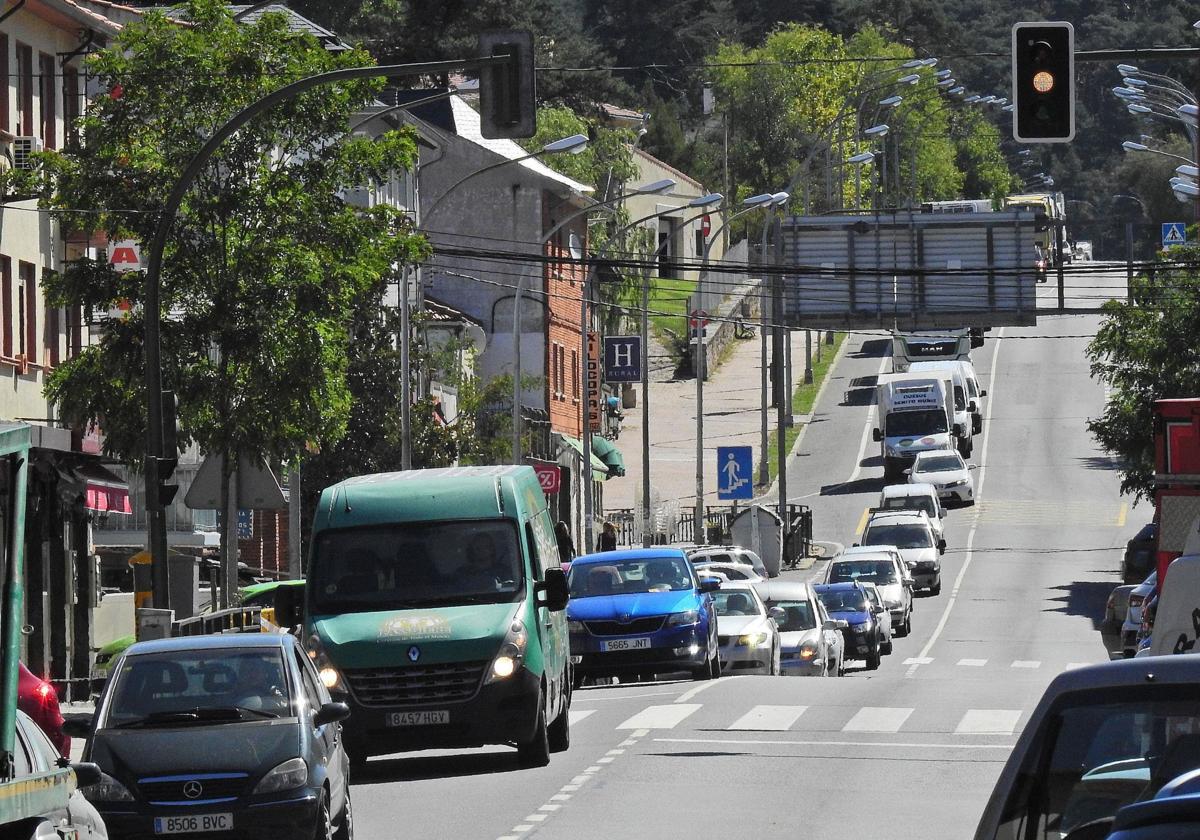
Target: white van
<point>968,413</point>
<point>915,497</point>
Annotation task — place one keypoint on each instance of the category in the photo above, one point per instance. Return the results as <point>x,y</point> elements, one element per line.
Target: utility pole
<point>784,399</point>
<point>406,375</point>
<point>647,540</point>
<point>764,443</point>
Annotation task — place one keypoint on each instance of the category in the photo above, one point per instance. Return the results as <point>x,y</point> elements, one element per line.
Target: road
<point>908,751</point>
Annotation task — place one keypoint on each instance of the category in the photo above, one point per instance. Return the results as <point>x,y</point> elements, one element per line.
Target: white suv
<point>915,497</point>
<point>912,533</point>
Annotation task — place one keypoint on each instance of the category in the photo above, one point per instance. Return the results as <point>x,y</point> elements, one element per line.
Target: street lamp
<point>859,161</point>
<point>655,188</point>
<point>946,83</point>
<point>957,91</point>
<point>891,101</point>
<point>1131,146</point>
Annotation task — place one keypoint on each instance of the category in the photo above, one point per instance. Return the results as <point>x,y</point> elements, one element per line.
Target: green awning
<point>610,455</point>
<point>599,468</point>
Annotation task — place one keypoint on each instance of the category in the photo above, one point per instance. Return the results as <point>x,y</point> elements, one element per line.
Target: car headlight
<point>330,676</point>
<point>753,640</point>
<point>893,451</point>
<point>292,773</point>
<point>511,655</point>
<point>865,627</point>
<point>684,619</point>
<point>107,789</point>
<point>892,604</point>
<point>574,626</point>
<point>809,651</point>
<point>958,483</point>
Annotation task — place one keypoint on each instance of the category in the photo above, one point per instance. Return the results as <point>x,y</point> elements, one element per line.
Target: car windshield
<point>390,567</point>
<point>875,571</point>
<point>939,463</point>
<point>798,615</point>
<point>1095,756</point>
<point>191,687</point>
<point>843,600</point>
<point>928,421</point>
<point>737,602</point>
<point>924,503</point>
<point>624,577</point>
<point>899,535</point>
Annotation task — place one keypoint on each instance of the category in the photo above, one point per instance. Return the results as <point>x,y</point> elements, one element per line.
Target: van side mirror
<point>972,407</point>
<point>976,341</point>
<point>983,392</point>
<point>778,614</point>
<point>877,434</point>
<point>941,546</point>
<point>78,726</point>
<point>554,590</point>
<point>842,624</point>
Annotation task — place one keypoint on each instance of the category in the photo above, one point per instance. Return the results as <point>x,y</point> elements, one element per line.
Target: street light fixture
<point>957,91</point>
<point>946,83</point>
<point>972,99</point>
<point>942,74</point>
<point>891,101</point>
<point>910,79</point>
<point>1186,189</point>
<point>880,130</point>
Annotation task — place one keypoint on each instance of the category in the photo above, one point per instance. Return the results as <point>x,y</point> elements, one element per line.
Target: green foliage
<point>265,263</point>
<point>604,163</point>
<point>1145,350</point>
<point>986,173</point>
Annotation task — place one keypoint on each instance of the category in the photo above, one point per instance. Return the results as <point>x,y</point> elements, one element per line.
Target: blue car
<point>230,735</point>
<point>641,612</point>
<point>864,635</point>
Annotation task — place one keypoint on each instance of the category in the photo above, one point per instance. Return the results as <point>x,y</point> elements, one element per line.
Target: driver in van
<point>485,568</point>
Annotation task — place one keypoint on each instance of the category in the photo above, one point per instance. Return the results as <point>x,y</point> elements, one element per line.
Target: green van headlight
<point>511,654</point>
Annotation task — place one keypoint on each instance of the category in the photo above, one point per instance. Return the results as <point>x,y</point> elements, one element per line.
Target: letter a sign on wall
<point>622,358</point>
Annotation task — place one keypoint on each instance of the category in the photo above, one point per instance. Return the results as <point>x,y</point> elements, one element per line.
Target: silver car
<point>811,642</point>
<point>882,566</point>
<point>747,631</point>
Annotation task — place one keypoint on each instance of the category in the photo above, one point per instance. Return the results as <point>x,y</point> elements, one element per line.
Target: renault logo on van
<point>414,653</point>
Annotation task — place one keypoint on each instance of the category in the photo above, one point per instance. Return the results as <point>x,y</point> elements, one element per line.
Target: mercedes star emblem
<point>193,789</point>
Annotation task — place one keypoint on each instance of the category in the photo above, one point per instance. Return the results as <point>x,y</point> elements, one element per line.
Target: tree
<point>265,262</point>
<point>1145,350</point>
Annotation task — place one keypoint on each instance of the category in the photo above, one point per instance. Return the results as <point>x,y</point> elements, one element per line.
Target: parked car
<point>213,734</point>
<point>641,612</point>
<point>1132,624</point>
<point>882,566</point>
<point>916,496</point>
<point>728,554</point>
<point>912,533</point>
<point>1116,607</point>
<point>810,641</point>
<point>36,756</point>
<point>747,631</point>
<point>1138,560</point>
<point>948,472</point>
<point>37,698</point>
<point>741,572</point>
<point>883,616</point>
<point>862,636</point>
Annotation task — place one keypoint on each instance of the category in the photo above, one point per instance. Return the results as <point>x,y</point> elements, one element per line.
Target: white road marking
<point>787,743</point>
<point>973,663</point>
<point>535,818</point>
<point>586,696</point>
<point>1071,666</point>
<point>549,807</point>
<point>1026,663</point>
<point>704,686</point>
<point>987,437</point>
<point>918,660</point>
<point>595,768</point>
<point>769,718</point>
<point>560,797</point>
<point>608,759</point>
<point>660,717</point>
<point>988,722</point>
<point>578,715</point>
<point>866,437</point>
<point>578,780</point>
<point>877,719</point>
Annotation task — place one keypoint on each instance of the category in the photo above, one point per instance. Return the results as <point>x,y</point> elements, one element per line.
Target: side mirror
<point>779,614</point>
<point>830,624</point>
<point>958,430</point>
<point>976,342</point>
<point>842,624</point>
<point>855,545</point>
<point>908,471</point>
<point>289,605</point>
<point>877,434</point>
<point>972,407</point>
<point>554,590</point>
<point>908,583</point>
<point>876,609</point>
<point>983,392</point>
<point>941,546</point>
<point>86,773</point>
<point>972,466</point>
<point>78,726</point>
<point>709,584</point>
<point>330,713</point>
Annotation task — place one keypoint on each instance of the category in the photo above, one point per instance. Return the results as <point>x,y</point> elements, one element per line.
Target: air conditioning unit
<point>23,150</point>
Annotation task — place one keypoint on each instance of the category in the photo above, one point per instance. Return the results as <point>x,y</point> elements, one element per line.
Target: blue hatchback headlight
<point>684,619</point>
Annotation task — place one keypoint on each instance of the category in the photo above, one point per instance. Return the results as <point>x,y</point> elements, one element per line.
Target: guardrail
<point>798,534</point>
<point>233,620</point>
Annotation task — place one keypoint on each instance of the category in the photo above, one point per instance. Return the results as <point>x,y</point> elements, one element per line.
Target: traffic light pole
<point>156,517</point>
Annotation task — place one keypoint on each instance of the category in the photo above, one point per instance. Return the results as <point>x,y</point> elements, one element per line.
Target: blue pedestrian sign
<point>735,473</point>
<point>1173,233</point>
<point>623,358</point>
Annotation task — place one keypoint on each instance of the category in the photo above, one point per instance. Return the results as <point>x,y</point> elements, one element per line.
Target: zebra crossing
<point>1019,664</point>
<point>864,720</point>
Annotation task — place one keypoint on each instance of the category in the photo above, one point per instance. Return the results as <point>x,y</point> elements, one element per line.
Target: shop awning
<point>610,455</point>
<point>599,468</point>
<point>106,492</point>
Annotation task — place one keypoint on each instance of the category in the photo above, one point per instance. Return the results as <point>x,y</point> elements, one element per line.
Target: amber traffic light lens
<point>1043,81</point>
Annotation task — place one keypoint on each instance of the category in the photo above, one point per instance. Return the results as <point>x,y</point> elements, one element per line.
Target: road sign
<point>698,318</point>
<point>125,255</point>
<point>1173,233</point>
<point>257,488</point>
<point>735,473</point>
<point>622,358</point>
<point>245,524</point>
<point>592,385</point>
<point>705,225</point>
<point>549,476</point>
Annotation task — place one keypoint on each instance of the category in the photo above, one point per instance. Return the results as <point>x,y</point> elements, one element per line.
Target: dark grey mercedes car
<point>229,736</point>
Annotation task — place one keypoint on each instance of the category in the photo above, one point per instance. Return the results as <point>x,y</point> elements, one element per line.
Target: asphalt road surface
<point>908,751</point>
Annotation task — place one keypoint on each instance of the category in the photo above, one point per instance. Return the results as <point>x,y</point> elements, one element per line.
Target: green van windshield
<point>417,564</point>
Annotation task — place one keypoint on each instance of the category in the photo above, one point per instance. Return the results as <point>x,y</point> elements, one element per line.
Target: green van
<point>435,608</point>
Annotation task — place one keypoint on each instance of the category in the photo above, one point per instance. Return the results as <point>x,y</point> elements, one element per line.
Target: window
<point>575,374</point>
<point>24,89</point>
<point>560,380</point>
<point>6,308</point>
<point>27,310</point>
<point>70,104</point>
<point>667,228</point>
<point>4,103</point>
<point>699,242</point>
<point>49,101</point>
<point>554,368</point>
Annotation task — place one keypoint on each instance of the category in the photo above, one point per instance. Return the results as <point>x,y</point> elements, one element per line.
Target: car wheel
<point>936,589</point>
<point>886,647</point>
<point>345,827</point>
<point>536,751</point>
<point>323,830</point>
<point>709,670</point>
<point>559,731</point>
<point>908,623</point>
<point>776,665</point>
<point>873,659</point>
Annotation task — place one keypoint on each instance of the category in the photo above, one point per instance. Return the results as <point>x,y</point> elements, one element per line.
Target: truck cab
<point>915,414</point>
<point>929,346</point>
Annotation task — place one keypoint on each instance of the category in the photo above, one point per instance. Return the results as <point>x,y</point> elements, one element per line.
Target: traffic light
<point>1043,72</point>
<point>507,93</point>
<point>161,491</point>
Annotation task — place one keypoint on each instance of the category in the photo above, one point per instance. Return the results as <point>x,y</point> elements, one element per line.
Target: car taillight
<point>1136,600</point>
<point>45,692</point>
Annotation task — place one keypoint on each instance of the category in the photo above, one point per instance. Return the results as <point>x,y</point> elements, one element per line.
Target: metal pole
<point>782,407</point>
<point>787,374</point>
<point>1128,258</point>
<point>764,443</point>
<point>229,538</point>
<point>589,536</point>
<point>1062,282</point>
<point>406,374</point>
<point>808,371</point>
<point>700,365</point>
<point>17,466</point>
<point>516,388</point>
<point>647,541</point>
<point>295,566</point>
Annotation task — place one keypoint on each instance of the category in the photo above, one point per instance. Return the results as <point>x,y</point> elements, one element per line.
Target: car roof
<point>867,550</point>
<point>216,641</point>
<point>737,584</point>
<point>837,587</point>
<point>929,453</point>
<point>917,488</point>
<point>630,554</point>
<point>732,563</point>
<point>770,590</point>
<point>905,515</point>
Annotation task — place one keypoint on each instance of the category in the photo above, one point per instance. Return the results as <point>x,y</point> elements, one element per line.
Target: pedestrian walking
<point>566,547</point>
<point>608,538</point>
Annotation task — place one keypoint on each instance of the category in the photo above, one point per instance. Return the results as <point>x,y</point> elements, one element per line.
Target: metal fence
<point>798,534</point>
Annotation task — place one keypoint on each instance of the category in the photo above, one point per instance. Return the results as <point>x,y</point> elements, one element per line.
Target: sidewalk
<point>732,405</point>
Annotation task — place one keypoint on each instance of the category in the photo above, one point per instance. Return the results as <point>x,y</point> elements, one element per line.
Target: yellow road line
<point>1121,515</point>
<point>862,523</point>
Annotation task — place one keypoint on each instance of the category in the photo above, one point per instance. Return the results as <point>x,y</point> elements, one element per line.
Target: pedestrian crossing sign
<point>735,473</point>
<point>1173,233</point>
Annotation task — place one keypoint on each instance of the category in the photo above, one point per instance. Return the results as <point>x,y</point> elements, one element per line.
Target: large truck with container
<point>930,346</point>
<point>1050,209</point>
<point>915,413</point>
